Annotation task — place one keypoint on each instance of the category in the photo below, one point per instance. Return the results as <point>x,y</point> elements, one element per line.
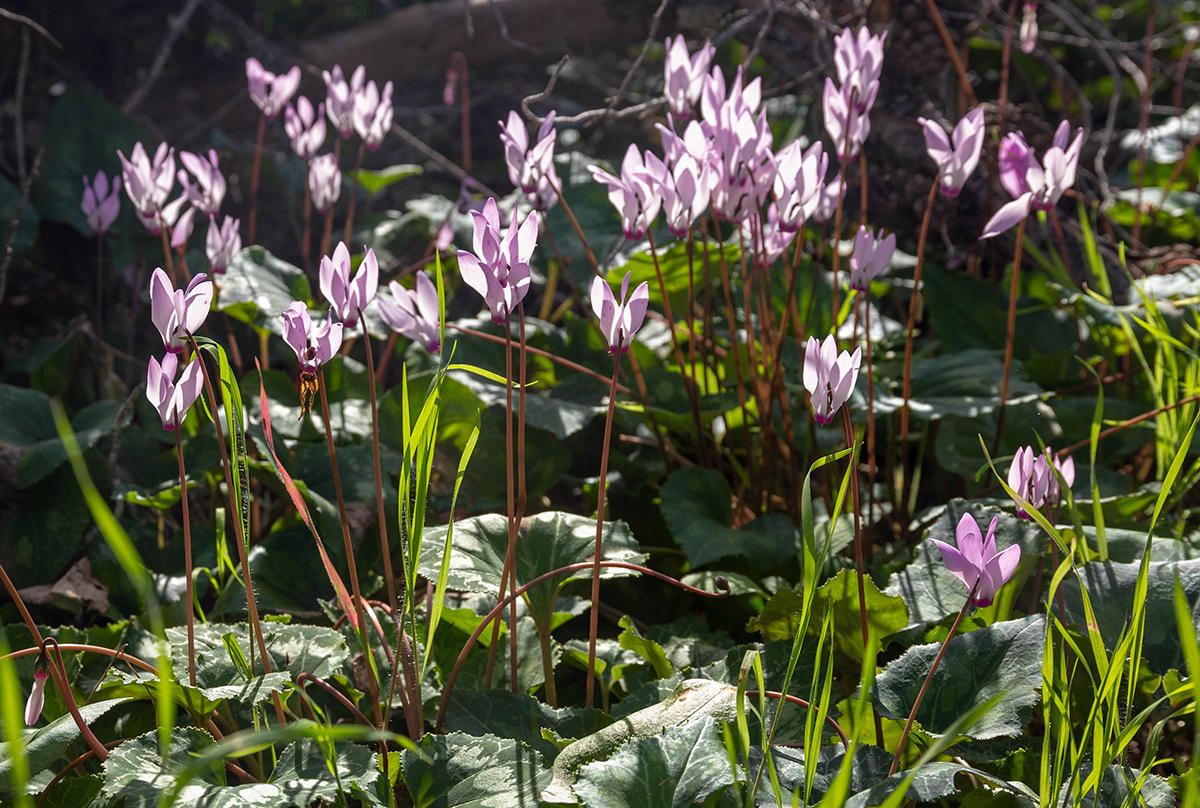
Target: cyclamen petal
<point>619,319</point>
<point>829,377</point>
<point>975,561</point>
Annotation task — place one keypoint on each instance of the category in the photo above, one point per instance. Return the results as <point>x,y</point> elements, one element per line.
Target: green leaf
<point>676,271</point>
<point>886,614</point>
<point>1111,587</point>
<point>544,543</point>
<point>375,181</point>
<point>25,422</point>
<point>257,288</point>
<point>696,504</point>
<point>82,136</point>
<point>870,766</point>
<point>929,590</point>
<point>463,770</point>
<point>1000,659</point>
<point>632,640</point>
<point>935,781</point>
<point>1115,791</point>
<point>520,717</point>
<point>680,767</point>
<point>137,774</point>
<point>965,383</point>
<point>74,792</point>
<point>44,745</point>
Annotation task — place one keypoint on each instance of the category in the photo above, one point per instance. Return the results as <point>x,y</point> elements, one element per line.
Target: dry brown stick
<point>959,67</point>
<point>175,27</point>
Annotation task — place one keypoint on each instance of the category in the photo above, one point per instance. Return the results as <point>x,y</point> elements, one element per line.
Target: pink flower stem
<point>731,324</point>
<point>1006,63</point>
<point>1012,328</point>
<point>59,674</point>
<point>388,577</point>
<point>327,233</point>
<point>909,333</point>
<point>522,500</point>
<point>254,175</point>
<point>100,286</point>
<point>870,410</point>
<point>187,563</point>
<point>837,236</point>
<point>352,567</point>
<point>362,148</point>
<point>170,264</point>
<point>848,431</point>
<point>510,554</point>
<point>594,625</point>
<point>912,715</point>
<point>689,382</point>
<point>306,242</point>
<point>240,537</point>
<point>464,90</point>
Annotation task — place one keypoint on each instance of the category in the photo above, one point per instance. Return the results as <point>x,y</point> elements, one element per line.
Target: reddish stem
<point>594,625</point>
<point>254,174</point>
<point>187,563</point>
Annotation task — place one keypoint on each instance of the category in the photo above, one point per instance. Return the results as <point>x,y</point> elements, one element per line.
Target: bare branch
<point>175,27</point>
<point>21,18</point>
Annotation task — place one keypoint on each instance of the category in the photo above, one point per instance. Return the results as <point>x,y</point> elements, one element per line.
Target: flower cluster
<point>847,103</point>
<point>531,165</point>
<point>177,314</point>
<point>1036,186</point>
<point>498,269</point>
<point>1034,477</point>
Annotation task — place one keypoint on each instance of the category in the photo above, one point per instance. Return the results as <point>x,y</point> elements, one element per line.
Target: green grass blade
<point>14,723</point>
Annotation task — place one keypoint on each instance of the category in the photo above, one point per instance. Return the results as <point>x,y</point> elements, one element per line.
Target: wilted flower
<point>798,175</point>
<point>829,377</point>
<point>209,190</point>
<point>871,256</point>
<point>633,194</point>
<point>37,696</point>
<point>975,560</point>
<point>223,243</point>
<point>531,167</point>
<point>955,163</point>
<point>1029,26</point>
<point>313,348</point>
<point>1037,187</point>
<point>101,203</point>
<point>339,103</point>
<point>348,297</point>
<point>148,183</point>
<point>414,313</point>
<point>172,399</point>
<point>268,91</point>
<point>1029,477</point>
<point>848,124</point>
<point>324,182</point>
<point>684,75</point>
<point>859,61</point>
<point>305,127</point>
<point>499,268</point>
<point>619,319</point>
<point>373,113</point>
<point>178,313</point>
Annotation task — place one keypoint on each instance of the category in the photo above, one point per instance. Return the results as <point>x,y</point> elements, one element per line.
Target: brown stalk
<point>848,431</point>
<point>187,563</point>
<point>362,148</point>
<point>594,624</point>
<point>254,174</point>
<point>1012,327</point>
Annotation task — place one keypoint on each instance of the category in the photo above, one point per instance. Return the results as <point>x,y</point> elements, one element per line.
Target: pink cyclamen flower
<point>1029,27</point>
<point>269,92</point>
<point>223,243</point>
<point>633,194</point>
<point>305,127</point>
<point>798,175</point>
<point>37,696</point>
<point>313,347</point>
<point>339,103</point>
<point>684,75</point>
<point>955,162</point>
<point>172,399</point>
<point>871,256</point>
<point>776,239</point>
<point>180,223</point>
<point>531,166</point>
<point>414,313</point>
<point>847,123</point>
<point>101,202</point>
<point>829,377</point>
<point>499,268</point>
<point>349,297</point>
<point>373,114</point>
<point>179,313</point>
<point>209,190</point>
<point>1029,477</point>
<point>684,189</point>
<point>619,319</point>
<point>975,560</point>
<point>1065,466</point>
<point>1036,186</point>
<point>324,182</point>
<point>148,182</point>
<point>859,61</point>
